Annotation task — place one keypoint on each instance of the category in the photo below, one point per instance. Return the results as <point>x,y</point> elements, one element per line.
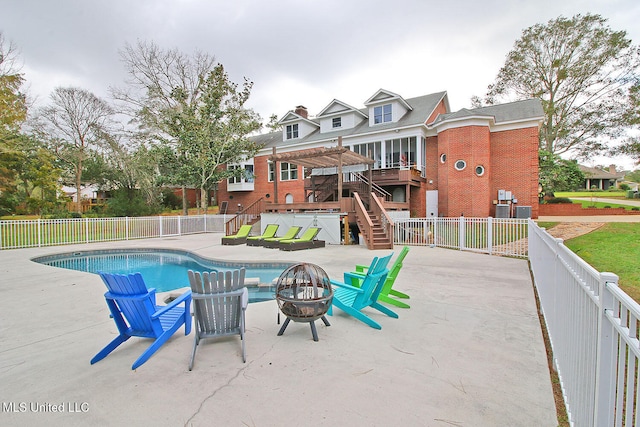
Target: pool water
<point>166,270</point>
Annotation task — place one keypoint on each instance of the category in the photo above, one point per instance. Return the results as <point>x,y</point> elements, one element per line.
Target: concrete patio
<point>469,352</point>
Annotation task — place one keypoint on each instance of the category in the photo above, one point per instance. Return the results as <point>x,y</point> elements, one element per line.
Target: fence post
<point>603,408</point>
<point>126,228</point>
<point>490,235</point>
<point>461,233</point>
<point>179,225</point>
<point>86,229</point>
<point>39,232</point>
<point>160,225</point>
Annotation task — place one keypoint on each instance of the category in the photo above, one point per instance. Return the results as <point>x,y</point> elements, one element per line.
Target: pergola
<point>326,157</point>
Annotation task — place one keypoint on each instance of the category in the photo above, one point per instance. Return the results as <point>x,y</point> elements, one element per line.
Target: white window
<point>382,114</point>
<point>460,165</point>
<point>272,171</point>
<point>288,171</point>
<point>292,131</point>
<point>234,179</point>
<point>336,122</point>
<point>246,176</point>
<point>401,152</point>
<point>371,150</point>
<point>479,170</point>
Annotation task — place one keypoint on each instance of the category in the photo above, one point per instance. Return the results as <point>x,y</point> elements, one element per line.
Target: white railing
<point>494,236</point>
<point>49,232</point>
<point>593,329</point>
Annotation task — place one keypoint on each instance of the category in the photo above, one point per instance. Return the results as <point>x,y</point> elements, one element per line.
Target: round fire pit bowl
<point>304,294</point>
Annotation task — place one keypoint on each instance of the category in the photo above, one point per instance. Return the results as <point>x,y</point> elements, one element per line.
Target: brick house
<point>422,157</point>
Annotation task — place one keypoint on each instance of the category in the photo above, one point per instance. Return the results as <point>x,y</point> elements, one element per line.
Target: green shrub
<point>559,200</point>
<point>623,186</point>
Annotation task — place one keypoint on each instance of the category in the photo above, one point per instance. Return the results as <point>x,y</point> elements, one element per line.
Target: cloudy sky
<point>295,51</point>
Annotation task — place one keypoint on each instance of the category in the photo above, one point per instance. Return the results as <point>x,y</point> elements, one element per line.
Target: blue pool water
<point>166,270</point>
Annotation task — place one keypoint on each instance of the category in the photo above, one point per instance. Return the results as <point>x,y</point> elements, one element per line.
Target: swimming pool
<point>166,270</point>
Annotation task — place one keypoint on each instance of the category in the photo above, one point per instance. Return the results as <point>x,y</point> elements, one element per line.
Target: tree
<point>73,124</point>
<point>189,104</point>
<point>557,174</point>
<point>13,102</point>
<point>583,72</point>
<point>213,132</point>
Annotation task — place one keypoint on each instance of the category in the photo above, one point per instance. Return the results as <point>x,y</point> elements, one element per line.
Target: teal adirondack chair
<point>387,293</point>
<point>352,300</point>
<point>133,308</point>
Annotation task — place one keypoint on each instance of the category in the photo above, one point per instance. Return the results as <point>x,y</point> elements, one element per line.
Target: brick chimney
<point>612,168</point>
<point>301,110</point>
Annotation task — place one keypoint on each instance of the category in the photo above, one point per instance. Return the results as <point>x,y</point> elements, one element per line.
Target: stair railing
<point>386,221</point>
<point>379,191</point>
<point>364,222</point>
<point>248,215</point>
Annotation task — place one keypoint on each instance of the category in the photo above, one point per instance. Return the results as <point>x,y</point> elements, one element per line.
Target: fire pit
<point>304,294</point>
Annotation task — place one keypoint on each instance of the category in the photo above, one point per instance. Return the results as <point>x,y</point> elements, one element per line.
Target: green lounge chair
<point>352,300</point>
<point>273,242</point>
<point>306,241</point>
<point>239,238</point>
<point>269,232</point>
<point>387,293</point>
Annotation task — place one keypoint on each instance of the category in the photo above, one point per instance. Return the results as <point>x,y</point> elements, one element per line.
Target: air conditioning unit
<point>523,211</point>
<point>502,211</point>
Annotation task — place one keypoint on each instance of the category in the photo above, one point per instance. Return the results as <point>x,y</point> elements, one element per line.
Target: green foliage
<point>557,200</point>
<point>584,73</point>
<point>557,174</point>
<point>170,200</point>
<point>130,202</point>
<point>633,176</point>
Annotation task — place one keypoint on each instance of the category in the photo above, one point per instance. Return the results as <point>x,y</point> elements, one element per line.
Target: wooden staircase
<point>379,238</point>
<point>375,225</point>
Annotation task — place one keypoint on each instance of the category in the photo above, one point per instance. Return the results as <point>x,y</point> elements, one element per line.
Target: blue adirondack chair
<point>133,308</point>
<point>352,300</point>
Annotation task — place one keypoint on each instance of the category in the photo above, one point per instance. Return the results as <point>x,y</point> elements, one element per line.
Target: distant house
<point>421,156</point>
<point>601,179</point>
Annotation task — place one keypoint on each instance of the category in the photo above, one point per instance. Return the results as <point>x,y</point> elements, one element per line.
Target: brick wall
<point>514,166</point>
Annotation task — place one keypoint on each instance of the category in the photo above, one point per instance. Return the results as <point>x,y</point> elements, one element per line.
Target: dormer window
<point>292,131</point>
<point>382,114</point>
<point>336,122</point>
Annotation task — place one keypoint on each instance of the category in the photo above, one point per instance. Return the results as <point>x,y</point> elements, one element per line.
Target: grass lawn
<point>602,194</point>
<point>590,204</point>
<point>615,247</point>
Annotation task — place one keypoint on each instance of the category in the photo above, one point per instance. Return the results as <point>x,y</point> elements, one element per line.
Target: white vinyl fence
<point>51,232</point>
<point>593,328</point>
<point>592,324</point>
<point>494,236</point>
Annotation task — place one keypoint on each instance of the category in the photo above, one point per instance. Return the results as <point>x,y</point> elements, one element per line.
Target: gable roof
<point>291,117</point>
<point>598,173</point>
<point>338,107</point>
<point>421,108</point>
<point>528,109</point>
<point>383,95</point>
